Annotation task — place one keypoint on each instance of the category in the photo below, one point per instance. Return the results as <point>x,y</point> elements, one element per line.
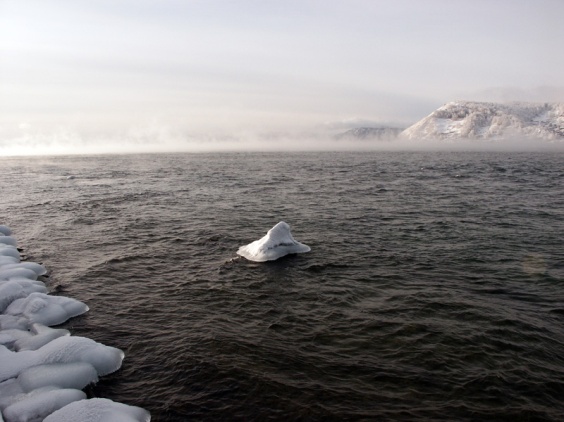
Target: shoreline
<point>44,370</point>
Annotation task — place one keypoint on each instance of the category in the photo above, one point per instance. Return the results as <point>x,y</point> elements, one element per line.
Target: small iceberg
<point>277,243</point>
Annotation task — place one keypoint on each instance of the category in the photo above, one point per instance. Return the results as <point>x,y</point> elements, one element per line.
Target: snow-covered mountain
<point>378,133</point>
<point>491,121</point>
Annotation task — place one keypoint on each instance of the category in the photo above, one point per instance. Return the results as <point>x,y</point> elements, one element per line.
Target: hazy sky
<point>90,73</point>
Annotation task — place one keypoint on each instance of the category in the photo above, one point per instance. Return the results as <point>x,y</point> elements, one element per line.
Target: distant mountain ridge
<point>378,133</point>
<point>482,120</point>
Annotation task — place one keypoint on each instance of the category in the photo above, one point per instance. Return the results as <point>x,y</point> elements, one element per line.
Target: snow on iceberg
<point>277,243</point>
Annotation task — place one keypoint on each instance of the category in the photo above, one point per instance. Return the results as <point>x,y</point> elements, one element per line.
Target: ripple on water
<point>425,295</point>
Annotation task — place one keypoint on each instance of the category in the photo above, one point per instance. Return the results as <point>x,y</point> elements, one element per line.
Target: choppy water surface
<point>434,289</point>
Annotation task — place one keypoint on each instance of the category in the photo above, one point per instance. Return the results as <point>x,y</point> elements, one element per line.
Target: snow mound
<point>277,243</point>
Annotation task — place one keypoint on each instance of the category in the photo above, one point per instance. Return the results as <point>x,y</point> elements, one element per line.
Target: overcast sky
<point>91,72</point>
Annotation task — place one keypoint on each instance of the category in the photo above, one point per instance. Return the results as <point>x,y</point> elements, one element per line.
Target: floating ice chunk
<point>277,243</point>
<point>8,240</point>
<point>5,230</point>
<point>33,266</point>
<point>104,359</point>
<point>37,405</point>
<point>46,309</point>
<point>12,290</point>
<point>99,410</point>
<point>40,335</point>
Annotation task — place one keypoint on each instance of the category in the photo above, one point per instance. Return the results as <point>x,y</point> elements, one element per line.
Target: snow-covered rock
<point>43,369</point>
<point>46,309</point>
<point>491,121</point>
<point>99,410</point>
<point>39,336</point>
<point>37,405</point>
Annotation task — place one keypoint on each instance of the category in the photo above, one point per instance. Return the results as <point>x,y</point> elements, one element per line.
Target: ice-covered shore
<point>42,369</point>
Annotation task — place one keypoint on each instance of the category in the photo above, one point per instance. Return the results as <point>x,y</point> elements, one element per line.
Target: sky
<point>140,75</point>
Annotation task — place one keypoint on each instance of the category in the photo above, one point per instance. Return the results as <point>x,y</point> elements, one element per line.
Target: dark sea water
<point>434,289</point>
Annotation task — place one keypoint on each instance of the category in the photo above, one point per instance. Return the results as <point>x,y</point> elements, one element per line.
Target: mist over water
<point>433,290</point>
<point>163,139</point>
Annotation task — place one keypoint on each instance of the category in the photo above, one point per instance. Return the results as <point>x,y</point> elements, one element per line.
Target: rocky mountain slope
<point>491,121</point>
